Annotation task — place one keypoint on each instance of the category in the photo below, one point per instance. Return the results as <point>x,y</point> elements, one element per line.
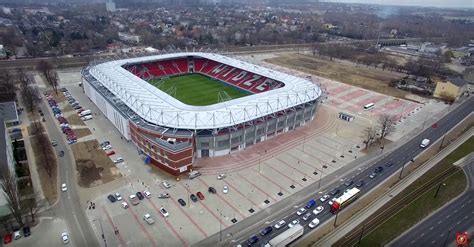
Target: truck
<point>85,113</point>
<point>286,237</point>
<point>425,143</point>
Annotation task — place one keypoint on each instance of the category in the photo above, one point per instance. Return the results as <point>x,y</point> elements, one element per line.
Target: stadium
<point>179,107</point>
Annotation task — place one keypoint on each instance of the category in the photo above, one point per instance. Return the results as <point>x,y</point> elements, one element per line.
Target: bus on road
<point>345,199</point>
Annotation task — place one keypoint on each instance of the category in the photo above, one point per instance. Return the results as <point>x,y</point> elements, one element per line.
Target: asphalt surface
<point>440,228</point>
<point>68,206</point>
<point>238,234</point>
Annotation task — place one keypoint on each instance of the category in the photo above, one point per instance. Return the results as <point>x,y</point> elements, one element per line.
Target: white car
<point>118,160</point>
<point>148,219</point>
<point>65,237</point>
<point>221,176</point>
<point>164,212</point>
<point>314,223</point>
<point>147,194</point>
<point>279,224</point>
<point>318,210</point>
<point>301,211</point>
<point>166,184</point>
<point>332,201</point>
<point>324,198</point>
<point>293,223</point>
<point>107,147</point>
<point>124,205</point>
<point>225,189</point>
<point>118,196</point>
<point>63,187</point>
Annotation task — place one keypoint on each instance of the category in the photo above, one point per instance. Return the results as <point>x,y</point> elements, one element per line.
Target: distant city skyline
<point>426,3</point>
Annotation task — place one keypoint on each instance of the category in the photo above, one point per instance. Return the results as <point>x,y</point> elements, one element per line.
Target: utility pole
<point>439,187</point>
<point>102,231</point>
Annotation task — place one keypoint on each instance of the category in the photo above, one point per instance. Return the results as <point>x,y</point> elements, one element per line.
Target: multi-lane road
<point>68,207</point>
<point>398,157</point>
<point>441,227</point>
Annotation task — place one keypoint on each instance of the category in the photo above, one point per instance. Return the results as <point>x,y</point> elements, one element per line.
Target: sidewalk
<point>362,215</point>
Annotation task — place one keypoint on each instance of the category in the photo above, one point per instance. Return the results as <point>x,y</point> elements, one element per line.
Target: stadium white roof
<point>158,107</point>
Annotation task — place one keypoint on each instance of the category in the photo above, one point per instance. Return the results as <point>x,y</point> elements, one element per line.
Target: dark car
<point>389,164</point>
<point>111,198</point>
<point>26,231</point>
<point>193,197</point>
<point>266,230</point>
<point>61,153</point>
<point>200,195</point>
<point>252,240</point>
<point>348,183</point>
<point>140,195</point>
<point>360,184</point>
<point>378,169</point>
<point>182,202</point>
<point>212,190</point>
<point>335,192</point>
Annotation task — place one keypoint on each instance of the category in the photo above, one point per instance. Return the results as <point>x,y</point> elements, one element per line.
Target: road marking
<point>109,219</point>
<point>255,186</point>
<point>455,211</point>
<point>140,223</point>
<point>168,224</point>
<point>284,175</point>
<point>431,228</point>
<point>189,217</point>
<point>447,216</point>
<point>459,222</point>
<point>223,199</point>
<point>273,182</point>
<point>439,222</point>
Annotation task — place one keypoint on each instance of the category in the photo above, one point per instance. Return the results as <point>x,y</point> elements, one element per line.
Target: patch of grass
<point>48,184</point>
<point>82,132</point>
<point>197,89</point>
<point>426,203</point>
<point>75,120</point>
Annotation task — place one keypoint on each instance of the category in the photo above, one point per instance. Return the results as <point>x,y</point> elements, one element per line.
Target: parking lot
<point>256,178</point>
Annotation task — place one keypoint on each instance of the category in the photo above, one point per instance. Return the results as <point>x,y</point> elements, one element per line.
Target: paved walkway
<point>362,215</point>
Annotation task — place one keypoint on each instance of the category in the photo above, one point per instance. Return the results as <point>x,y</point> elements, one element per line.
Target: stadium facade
<point>171,134</point>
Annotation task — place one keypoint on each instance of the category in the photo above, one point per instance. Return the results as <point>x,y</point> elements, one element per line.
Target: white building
<point>127,37</point>
<point>110,6</point>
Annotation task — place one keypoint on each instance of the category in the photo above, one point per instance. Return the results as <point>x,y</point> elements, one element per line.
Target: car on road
<point>164,212</point>
<point>7,238</point>
<point>310,203</point>
<point>225,189</point>
<point>221,176</point>
<point>140,195</point>
<point>118,196</point>
<point>324,198</point>
<point>293,223</point>
<point>279,224</point>
<point>110,153</point>
<point>193,198</point>
<point>373,175</point>
<point>182,202</point>
<point>389,164</point>
<point>348,183</point>
<point>212,190</point>
<point>378,169</point>
<point>307,216</point>
<point>266,230</point>
<point>301,211</point>
<point>107,147</point>
<point>200,195</point>
<point>252,240</point>
<point>124,205</point>
<point>360,184</point>
<point>314,223</point>
<point>148,219</point>
<point>61,153</point>
<point>118,160</point>
<point>166,184</point>
<point>134,199</point>
<point>318,210</point>
<point>335,192</point>
<point>147,194</point>
<point>63,187</point>
<point>65,237</point>
<point>112,198</point>
<point>330,202</point>
<point>26,231</point>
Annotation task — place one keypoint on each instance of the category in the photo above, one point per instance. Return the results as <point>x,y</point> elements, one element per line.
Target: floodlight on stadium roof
<point>157,107</point>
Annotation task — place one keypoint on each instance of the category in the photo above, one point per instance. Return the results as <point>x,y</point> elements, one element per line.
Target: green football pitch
<point>197,89</point>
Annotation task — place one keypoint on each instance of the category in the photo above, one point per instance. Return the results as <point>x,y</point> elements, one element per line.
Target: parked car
<point>182,202</point>
<point>140,195</point>
<point>65,237</point>
<point>7,238</point>
<point>148,219</point>
<point>200,195</point>
<point>164,195</point>
<point>112,198</point>
<point>314,223</point>
<point>193,197</point>
<point>318,210</point>
<point>147,194</point>
<point>221,176</point>
<point>104,143</point>
<point>225,189</point>
<point>107,147</point>
<point>54,143</point>
<point>124,205</point>
<point>265,231</point>
<point>110,153</point>
<point>279,224</point>
<point>118,160</point>
<point>134,199</point>
<point>61,153</point>
<point>389,164</point>
<point>166,184</point>
<point>63,187</point>
<point>118,196</point>
<point>26,231</point>
<point>212,190</point>
<point>164,212</point>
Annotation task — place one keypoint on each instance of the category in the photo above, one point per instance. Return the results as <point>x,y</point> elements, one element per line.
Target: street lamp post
<point>220,225</point>
<point>447,237</point>
<point>102,231</point>
<point>439,187</point>
<point>320,177</point>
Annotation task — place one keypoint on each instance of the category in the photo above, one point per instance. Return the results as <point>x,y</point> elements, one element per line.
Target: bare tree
<point>386,124</point>
<point>33,207</point>
<point>44,143</point>
<point>29,94</point>
<point>368,136</point>
<point>49,73</point>
<point>52,79</point>
<point>7,86</point>
<point>12,195</point>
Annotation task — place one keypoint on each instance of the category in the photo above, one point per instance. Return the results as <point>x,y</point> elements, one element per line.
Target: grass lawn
<point>197,89</point>
<point>425,204</point>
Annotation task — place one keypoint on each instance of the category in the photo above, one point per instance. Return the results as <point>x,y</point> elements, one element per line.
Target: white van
<point>425,143</point>
<point>85,118</point>
<point>85,113</point>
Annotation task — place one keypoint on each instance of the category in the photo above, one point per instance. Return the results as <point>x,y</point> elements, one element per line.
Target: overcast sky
<point>434,3</point>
